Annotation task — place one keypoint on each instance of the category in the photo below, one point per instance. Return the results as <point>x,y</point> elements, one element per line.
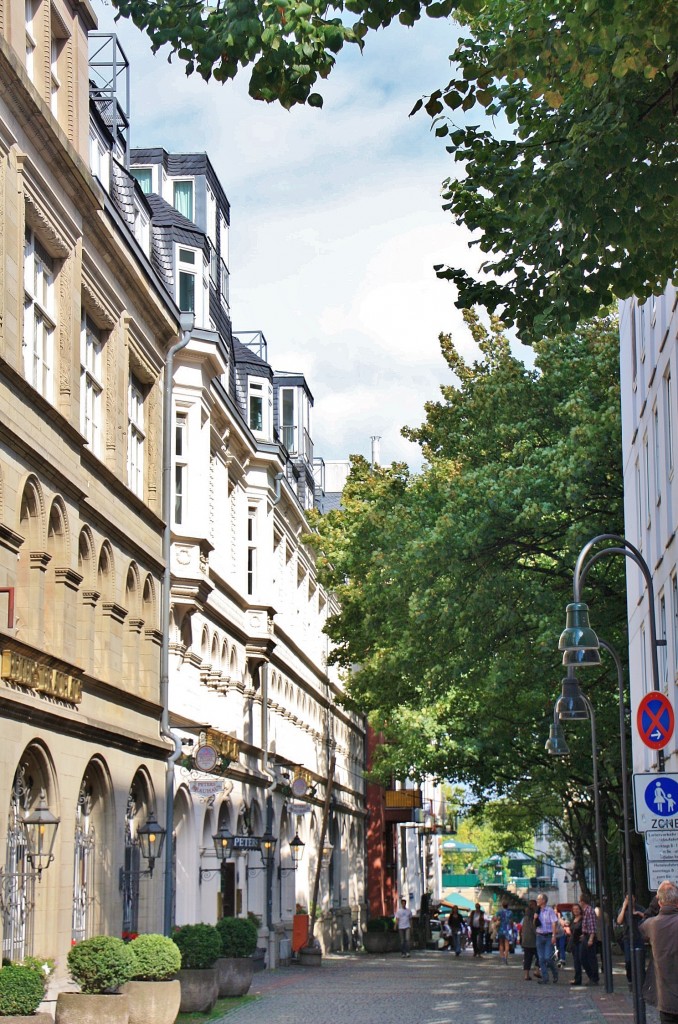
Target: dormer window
<point>144,176</point>
<point>256,407</point>
<point>187,280</point>
<point>183,198</point>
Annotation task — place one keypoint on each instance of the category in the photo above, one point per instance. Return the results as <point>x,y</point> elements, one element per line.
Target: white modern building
<point>649,338</point>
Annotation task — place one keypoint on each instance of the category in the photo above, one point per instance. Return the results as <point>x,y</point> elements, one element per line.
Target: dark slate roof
<point>248,360</point>
<point>165,215</point>
<point>184,165</point>
<point>329,502</point>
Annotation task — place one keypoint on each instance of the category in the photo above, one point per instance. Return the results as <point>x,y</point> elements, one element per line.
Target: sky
<point>336,223</point>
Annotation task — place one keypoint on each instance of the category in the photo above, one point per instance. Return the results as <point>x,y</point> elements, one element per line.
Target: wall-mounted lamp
<point>40,827</point>
<point>223,841</point>
<point>150,839</point>
<point>297,847</point>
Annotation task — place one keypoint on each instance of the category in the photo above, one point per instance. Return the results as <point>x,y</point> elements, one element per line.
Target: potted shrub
<point>22,989</point>
<point>380,936</point>
<point>99,966</point>
<point>200,948</point>
<point>235,966</point>
<point>154,993</point>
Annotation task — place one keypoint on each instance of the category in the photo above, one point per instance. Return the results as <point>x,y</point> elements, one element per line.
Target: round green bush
<point>21,990</point>
<point>101,964</point>
<point>156,957</point>
<point>199,945</point>
<point>238,936</point>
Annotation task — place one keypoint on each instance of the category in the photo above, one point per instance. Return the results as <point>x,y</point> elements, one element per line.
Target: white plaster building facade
<point>649,371</point>
<point>95,269</point>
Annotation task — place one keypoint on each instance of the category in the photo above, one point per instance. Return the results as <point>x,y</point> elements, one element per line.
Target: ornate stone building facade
<point>101,249</point>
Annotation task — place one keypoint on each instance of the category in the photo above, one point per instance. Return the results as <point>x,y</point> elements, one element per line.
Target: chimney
<point>376,453</point>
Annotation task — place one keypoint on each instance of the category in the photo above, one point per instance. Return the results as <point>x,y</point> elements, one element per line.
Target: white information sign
<point>661,850</point>
<point>655,802</point>
<point>206,787</point>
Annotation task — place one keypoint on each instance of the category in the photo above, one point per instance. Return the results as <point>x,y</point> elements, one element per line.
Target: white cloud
<point>336,223</point>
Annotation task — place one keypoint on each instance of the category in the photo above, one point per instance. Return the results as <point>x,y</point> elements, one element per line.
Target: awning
<point>496,859</point>
<point>455,899</point>
<point>518,856</point>
<point>455,846</point>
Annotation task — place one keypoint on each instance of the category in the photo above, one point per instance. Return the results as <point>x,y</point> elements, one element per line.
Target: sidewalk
<point>431,987</point>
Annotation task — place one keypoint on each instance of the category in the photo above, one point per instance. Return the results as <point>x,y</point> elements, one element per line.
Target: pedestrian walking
<point>638,941</point>
<point>504,922</point>
<point>456,924</point>
<point>662,934</point>
<point>403,918</point>
<point>477,922</point>
<point>528,938</point>
<point>546,921</point>
<point>589,952</point>
<point>574,942</point>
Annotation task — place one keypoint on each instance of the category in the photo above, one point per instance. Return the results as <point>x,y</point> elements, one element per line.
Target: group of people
<point>543,928</point>
<point>546,937</point>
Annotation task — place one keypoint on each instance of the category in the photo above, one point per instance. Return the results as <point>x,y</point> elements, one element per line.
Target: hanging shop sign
<point>227,747</point>
<point>21,671</point>
<point>245,843</point>
<point>205,758</point>
<point>206,788</point>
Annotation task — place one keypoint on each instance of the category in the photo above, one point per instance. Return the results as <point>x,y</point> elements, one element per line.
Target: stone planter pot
<point>381,942</point>
<point>310,956</point>
<point>234,975</point>
<point>34,1018</point>
<point>199,990</point>
<point>153,1002</point>
<point>79,1008</point>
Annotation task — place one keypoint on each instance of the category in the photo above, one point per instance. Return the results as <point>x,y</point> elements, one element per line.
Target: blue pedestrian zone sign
<point>656,801</point>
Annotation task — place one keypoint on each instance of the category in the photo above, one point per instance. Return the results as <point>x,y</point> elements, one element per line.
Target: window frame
<point>136,435</point>
<point>180,467</point>
<point>184,181</point>
<point>91,382</point>
<point>39,315</point>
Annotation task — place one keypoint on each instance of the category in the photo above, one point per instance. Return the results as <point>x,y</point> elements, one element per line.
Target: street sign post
<point>656,802</point>
<point>661,851</point>
<point>655,720</point>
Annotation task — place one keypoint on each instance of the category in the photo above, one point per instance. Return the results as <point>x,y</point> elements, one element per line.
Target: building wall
<point>649,333</point>
<point>80,553</point>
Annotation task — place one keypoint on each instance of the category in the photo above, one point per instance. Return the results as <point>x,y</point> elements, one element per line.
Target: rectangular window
<point>180,467</point>
<point>634,344</point>
<point>144,176</point>
<point>646,477</point>
<point>251,550</point>
<point>643,660</point>
<point>39,322</point>
<point>31,42</point>
<point>668,419</point>
<point>639,506</point>
<point>186,280</point>
<point>287,418</point>
<point>183,198</point>
<point>674,619</point>
<point>657,463</point>
<point>135,436</point>
<point>256,407</point>
<point>91,387</point>
<point>661,649</point>
<point>54,75</point>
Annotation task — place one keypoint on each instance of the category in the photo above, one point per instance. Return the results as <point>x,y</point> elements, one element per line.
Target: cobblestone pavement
<point>429,988</point>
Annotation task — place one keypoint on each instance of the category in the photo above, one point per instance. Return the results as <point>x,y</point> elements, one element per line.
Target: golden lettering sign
<point>227,747</point>
<point>21,671</point>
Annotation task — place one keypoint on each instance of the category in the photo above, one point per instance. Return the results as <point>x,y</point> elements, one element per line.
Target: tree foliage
<point>570,189</point>
<point>452,583</point>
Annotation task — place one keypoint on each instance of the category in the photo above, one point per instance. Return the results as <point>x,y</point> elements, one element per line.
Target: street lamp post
<point>574,706</point>
<point>580,646</point>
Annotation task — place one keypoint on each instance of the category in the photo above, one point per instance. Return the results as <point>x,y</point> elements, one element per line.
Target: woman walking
<point>528,939</point>
<point>504,920</point>
<point>574,942</point>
